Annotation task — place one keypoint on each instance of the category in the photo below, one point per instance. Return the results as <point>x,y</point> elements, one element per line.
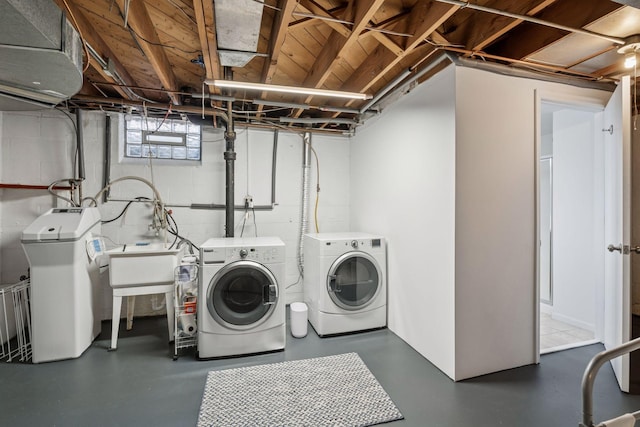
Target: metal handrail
<point>589,376</point>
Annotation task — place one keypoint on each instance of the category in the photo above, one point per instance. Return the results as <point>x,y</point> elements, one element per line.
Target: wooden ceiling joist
<point>205,18</point>
<point>497,29</point>
<point>310,6</point>
<point>278,33</point>
<point>138,19</point>
<point>382,60</point>
<point>532,37</point>
<point>101,48</point>
<point>337,44</point>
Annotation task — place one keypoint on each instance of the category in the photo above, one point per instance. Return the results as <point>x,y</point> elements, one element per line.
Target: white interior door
<point>617,294</point>
<point>546,200</point>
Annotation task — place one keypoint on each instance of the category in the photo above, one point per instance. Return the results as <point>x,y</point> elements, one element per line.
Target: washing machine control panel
<point>269,254</point>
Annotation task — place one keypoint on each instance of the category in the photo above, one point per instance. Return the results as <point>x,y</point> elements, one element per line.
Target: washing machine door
<point>242,295</point>
<point>354,280</point>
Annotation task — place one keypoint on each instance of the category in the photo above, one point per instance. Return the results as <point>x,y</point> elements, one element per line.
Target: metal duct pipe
<point>517,72</point>
<point>304,223</point>
<point>384,90</point>
<point>319,120</point>
<point>435,63</point>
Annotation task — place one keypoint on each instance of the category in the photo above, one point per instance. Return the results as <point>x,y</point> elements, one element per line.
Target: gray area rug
<point>325,391</point>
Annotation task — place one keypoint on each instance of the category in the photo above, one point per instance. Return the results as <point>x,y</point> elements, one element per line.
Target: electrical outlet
<point>248,202</point>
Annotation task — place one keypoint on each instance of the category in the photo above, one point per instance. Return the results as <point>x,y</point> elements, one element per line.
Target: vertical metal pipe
<point>273,167</point>
<point>106,174</point>
<point>80,150</point>
<point>304,223</point>
<point>230,157</point>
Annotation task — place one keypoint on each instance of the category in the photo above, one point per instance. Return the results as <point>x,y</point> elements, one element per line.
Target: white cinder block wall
<point>461,271</point>
<point>38,148</point>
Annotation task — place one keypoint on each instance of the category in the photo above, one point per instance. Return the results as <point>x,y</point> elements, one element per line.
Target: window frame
<point>159,126</point>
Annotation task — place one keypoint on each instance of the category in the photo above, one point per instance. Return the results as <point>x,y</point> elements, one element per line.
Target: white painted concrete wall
<point>37,148</point>
<point>403,187</point>
<point>575,220</point>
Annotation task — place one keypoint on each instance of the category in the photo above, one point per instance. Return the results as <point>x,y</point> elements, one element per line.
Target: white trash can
<point>298,316</point>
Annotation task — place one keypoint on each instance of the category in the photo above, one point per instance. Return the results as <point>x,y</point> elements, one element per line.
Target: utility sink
<point>139,265</point>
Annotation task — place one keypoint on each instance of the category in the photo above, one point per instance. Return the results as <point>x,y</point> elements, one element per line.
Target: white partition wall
<point>448,174</point>
<point>403,187</point>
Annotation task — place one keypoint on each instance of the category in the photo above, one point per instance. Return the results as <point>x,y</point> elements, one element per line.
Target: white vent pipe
<point>304,211</point>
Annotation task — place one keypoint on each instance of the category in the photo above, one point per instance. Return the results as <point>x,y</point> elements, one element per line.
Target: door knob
<point>624,249</point>
<point>612,248</point>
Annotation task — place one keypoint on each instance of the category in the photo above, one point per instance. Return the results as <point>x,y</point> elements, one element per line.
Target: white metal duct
<point>237,30</point>
<point>41,55</point>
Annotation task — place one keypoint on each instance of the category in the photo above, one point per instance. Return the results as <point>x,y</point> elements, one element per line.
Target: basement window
<point>162,138</point>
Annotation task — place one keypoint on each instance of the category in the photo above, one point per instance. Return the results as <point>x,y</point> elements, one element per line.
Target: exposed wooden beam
<point>385,41</point>
<point>101,47</point>
<point>381,61</point>
<point>278,33</point>
<point>532,37</point>
<point>296,24</point>
<point>138,19</point>
<point>205,18</point>
<point>498,29</point>
<point>310,6</point>
<point>361,13</point>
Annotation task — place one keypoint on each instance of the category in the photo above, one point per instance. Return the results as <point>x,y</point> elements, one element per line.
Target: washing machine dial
<point>354,244</point>
<point>243,253</point>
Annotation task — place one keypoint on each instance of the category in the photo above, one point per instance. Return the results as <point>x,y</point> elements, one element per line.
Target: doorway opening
<point>571,226</point>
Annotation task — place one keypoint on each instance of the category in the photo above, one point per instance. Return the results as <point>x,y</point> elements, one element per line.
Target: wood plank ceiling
<point>155,52</point>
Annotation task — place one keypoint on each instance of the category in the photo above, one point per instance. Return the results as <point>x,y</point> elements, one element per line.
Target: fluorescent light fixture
<point>630,60</point>
<point>286,89</point>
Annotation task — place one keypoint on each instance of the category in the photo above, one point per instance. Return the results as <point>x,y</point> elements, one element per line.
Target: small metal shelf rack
<point>185,300</point>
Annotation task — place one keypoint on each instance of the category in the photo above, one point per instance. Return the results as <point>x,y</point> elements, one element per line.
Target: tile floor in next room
<point>555,334</point>
<point>140,384</point>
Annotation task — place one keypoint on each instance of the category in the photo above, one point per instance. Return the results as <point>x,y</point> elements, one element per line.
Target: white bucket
<point>298,314</point>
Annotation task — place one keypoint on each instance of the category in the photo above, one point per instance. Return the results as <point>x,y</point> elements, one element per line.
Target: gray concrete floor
<point>140,384</point>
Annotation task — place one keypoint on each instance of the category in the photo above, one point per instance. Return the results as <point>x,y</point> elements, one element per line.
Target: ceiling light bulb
<point>630,60</point>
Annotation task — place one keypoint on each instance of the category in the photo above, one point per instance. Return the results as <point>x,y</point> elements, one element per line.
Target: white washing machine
<point>345,282</point>
<point>241,302</point>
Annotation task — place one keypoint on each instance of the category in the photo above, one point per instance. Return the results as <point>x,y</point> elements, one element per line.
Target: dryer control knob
<point>354,244</point>
<point>243,253</point>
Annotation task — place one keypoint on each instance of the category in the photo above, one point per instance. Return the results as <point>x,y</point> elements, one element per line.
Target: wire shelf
<point>186,298</point>
<point>15,322</point>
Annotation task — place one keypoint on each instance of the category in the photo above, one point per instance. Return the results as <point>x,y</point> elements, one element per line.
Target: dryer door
<point>354,280</point>
<point>242,295</point>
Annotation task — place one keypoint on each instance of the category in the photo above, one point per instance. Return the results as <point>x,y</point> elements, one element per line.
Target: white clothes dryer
<point>241,303</point>
<point>345,282</point>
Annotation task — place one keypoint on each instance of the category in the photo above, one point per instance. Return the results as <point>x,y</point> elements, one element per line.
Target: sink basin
<point>139,265</point>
